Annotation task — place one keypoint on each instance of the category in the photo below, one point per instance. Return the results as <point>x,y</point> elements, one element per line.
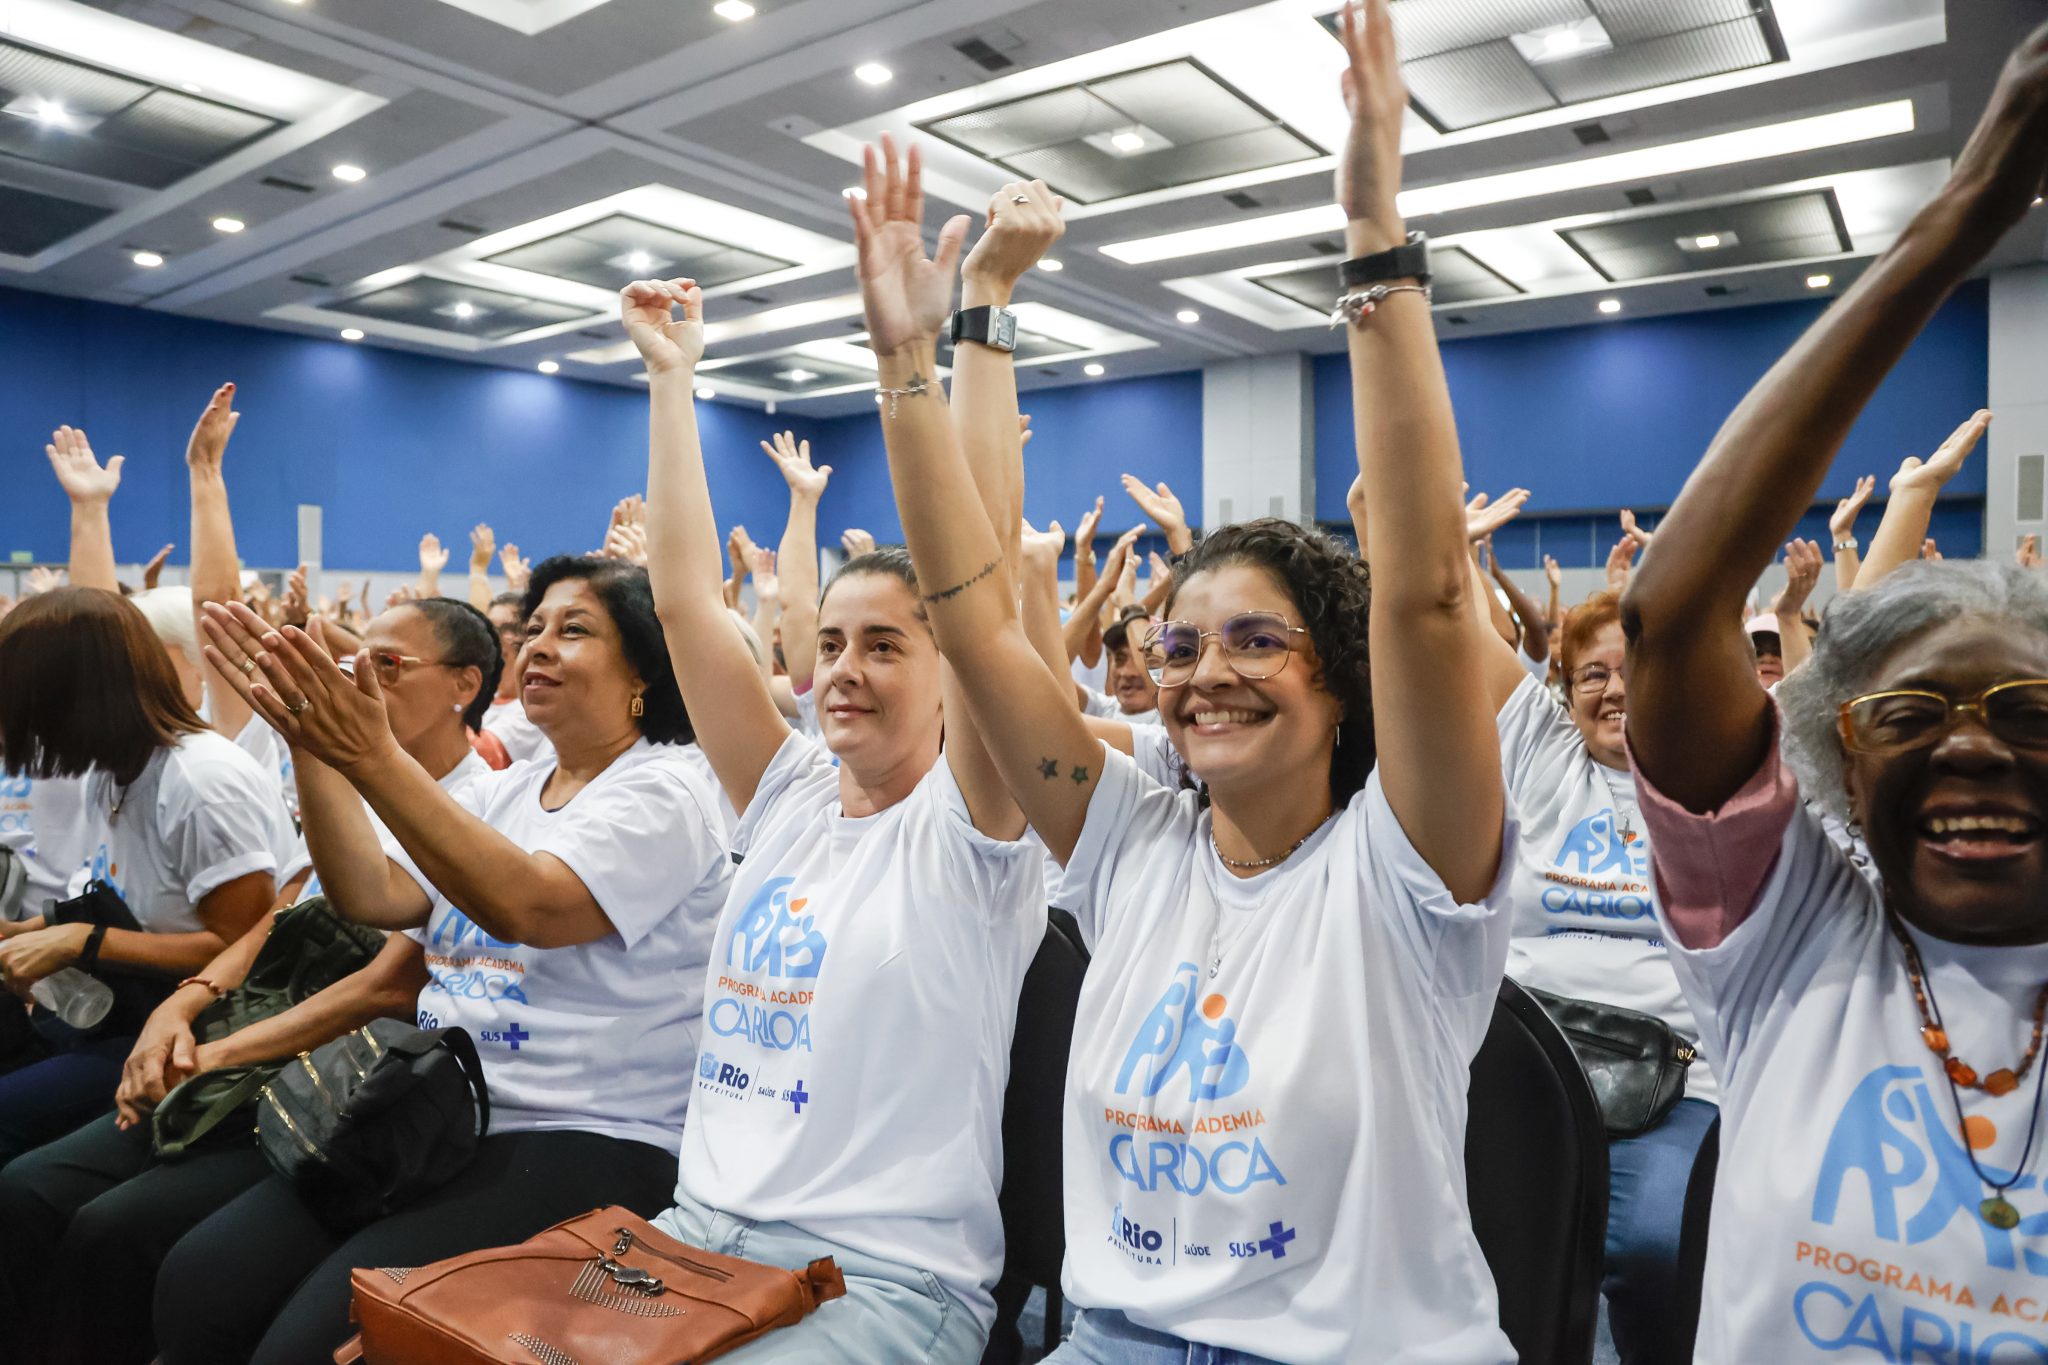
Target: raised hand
<point>1084,533</point>
<point>516,569</point>
<point>1618,561</point>
<point>302,691</point>
<point>856,542</point>
<point>793,459</point>
<point>209,439</point>
<point>1932,474</point>
<point>2006,159</point>
<point>433,558</point>
<point>1633,531</point>
<point>1024,431</point>
<point>154,569</point>
<point>1484,515</point>
<point>83,478</point>
<point>1041,549</point>
<point>906,294</point>
<point>1929,550</point>
<point>667,344</point>
<point>767,583</point>
<point>1023,223</point>
<point>627,540</point>
<point>1552,572</point>
<point>42,579</point>
<point>1165,510</point>
<point>738,545</point>
<point>1802,571</point>
<point>296,608</point>
<point>1842,521</point>
<point>1376,97</point>
<point>2029,555</point>
<point>483,543</point>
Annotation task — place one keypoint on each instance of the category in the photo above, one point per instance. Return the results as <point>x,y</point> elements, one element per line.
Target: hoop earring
<point>637,709</point>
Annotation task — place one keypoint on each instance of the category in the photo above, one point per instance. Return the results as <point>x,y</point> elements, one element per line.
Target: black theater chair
<point>1536,1176</point>
<point>1684,1319</point>
<point>1034,1233</point>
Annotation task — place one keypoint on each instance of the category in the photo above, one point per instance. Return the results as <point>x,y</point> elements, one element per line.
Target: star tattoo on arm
<point>1080,776</point>
<point>1049,769</point>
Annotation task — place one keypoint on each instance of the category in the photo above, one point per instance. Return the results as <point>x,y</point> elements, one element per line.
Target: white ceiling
<point>485,125</point>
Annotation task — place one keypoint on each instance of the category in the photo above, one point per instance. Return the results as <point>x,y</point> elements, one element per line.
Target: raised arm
<point>1697,720</point>
<point>1085,621</point>
<point>734,715</point>
<point>1439,754</point>
<point>1902,531</point>
<point>797,559</point>
<point>1802,574</point>
<point>1164,508</point>
<point>216,568</point>
<point>433,559</point>
<point>1535,627</point>
<point>1842,532</point>
<point>483,543</point>
<point>90,489</point>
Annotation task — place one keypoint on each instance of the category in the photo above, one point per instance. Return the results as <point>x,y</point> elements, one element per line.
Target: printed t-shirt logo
<point>773,935</point>
<point>1895,1171</point>
<point>1186,1031</point>
<point>470,964</point>
<point>1595,847</point>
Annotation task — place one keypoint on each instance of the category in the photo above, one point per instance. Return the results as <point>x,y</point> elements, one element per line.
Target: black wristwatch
<point>990,326</point>
<point>1409,261</point>
<point>90,956</point>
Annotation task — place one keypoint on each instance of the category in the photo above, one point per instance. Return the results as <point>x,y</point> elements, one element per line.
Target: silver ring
<point>248,665</point>
<point>304,702</point>
<point>1020,198</point>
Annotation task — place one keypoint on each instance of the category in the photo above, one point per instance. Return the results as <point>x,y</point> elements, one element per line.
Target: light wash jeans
<point>1103,1336</point>
<point>891,1315</point>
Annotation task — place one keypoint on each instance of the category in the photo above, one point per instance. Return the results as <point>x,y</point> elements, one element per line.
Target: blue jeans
<point>1647,1177</point>
<point>1103,1336</point>
<point>892,1314</point>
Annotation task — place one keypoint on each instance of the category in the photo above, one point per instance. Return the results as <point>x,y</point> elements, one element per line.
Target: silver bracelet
<point>1360,304</point>
<point>917,387</point>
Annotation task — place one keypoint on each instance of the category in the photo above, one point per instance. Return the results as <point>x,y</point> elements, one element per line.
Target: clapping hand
<point>1484,514</point>
<point>1633,531</point>
<point>1618,561</point>
<point>1843,520</point>
<point>82,477</point>
<point>793,459</point>
<point>906,294</point>
<point>856,542</point>
<point>296,608</point>
<point>667,344</point>
<point>1802,571</point>
<point>302,692</point>
<point>1163,507</point>
<point>1084,533</point>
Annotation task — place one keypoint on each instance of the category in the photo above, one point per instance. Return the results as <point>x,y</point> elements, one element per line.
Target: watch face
<point>1005,329</point>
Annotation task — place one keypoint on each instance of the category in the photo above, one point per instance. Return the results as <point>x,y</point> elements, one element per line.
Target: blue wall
<point>1617,414</point>
<point>391,444</point>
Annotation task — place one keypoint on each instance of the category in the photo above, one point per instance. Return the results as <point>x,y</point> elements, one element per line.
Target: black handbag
<point>1636,1062</point>
<point>137,990</point>
<point>365,1124</point>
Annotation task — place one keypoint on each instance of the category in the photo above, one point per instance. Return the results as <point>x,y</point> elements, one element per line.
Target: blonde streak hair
<point>169,613</point>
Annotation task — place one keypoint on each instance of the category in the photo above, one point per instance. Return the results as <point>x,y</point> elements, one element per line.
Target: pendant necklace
<point>1996,1210</point>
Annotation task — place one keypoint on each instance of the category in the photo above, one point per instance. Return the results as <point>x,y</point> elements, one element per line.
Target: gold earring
<point>638,708</point>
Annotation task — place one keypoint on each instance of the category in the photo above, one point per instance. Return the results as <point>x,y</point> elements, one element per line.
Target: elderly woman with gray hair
<point>1881,1176</point>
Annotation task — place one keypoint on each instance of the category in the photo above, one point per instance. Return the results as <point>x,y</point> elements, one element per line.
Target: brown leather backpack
<point>603,1287</point>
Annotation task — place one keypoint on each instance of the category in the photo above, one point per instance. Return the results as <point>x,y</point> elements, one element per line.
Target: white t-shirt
<point>1272,1158</point>
<point>300,859</point>
<point>1584,923</point>
<point>1539,669</point>
<point>42,819</point>
<point>806,722</point>
<point>268,748</point>
<point>1845,1218</point>
<point>860,1001</point>
<point>521,737</point>
<point>201,814</point>
<point>1091,678</point>
<point>599,1037</point>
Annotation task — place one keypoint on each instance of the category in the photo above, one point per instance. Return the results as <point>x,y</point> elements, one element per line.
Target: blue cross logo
<point>1276,1240</point>
<point>797,1096</point>
<point>517,1035</point>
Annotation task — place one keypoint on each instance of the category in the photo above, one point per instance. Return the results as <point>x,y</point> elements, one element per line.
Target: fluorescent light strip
<point>1890,119</point>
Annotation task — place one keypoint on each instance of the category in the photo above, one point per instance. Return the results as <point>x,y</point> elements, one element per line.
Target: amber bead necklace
<point>1996,1210</point>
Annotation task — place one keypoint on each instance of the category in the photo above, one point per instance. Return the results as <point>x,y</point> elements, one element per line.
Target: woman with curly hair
<point>1265,1115</point>
<point>1878,1044</point>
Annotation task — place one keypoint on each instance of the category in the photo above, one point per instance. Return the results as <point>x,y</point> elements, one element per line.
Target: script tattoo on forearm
<point>946,594</point>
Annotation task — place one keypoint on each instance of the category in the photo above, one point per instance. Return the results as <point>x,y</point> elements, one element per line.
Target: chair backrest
<point>1536,1177</point>
<point>1034,1229</point>
<point>1683,1320</point>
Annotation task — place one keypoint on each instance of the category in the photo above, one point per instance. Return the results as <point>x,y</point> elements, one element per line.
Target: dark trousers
<point>84,1223</point>
<point>48,1099</point>
<point>264,1282</point>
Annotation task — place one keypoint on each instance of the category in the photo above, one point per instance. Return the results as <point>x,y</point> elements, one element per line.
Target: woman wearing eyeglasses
<point>1265,1116</point>
<point>1879,1046</point>
<point>85,1220</point>
<point>561,912</point>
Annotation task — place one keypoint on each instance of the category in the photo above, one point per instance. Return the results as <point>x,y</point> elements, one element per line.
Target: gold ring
<point>304,702</point>
<point>248,665</point>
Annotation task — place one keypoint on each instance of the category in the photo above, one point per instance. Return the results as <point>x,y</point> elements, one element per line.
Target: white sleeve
<point>1100,705</point>
<point>1538,741</point>
<point>984,869</point>
<point>639,843</point>
<point>1126,811</point>
<point>1461,948</point>
<point>799,761</point>
<point>218,820</point>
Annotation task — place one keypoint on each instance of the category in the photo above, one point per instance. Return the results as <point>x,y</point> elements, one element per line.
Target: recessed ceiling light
<point>1647,163</point>
<point>1819,281</point>
<point>1610,305</point>
<point>1187,315</point>
<point>1557,42</point>
<point>148,260</point>
<point>228,225</point>
<point>707,393</point>
<point>799,375</point>
<point>639,260</point>
<point>1128,141</point>
<point>464,309</point>
<point>51,113</point>
<point>349,173</point>
<point>874,73</point>
<point>1093,369</point>
<point>1707,241</point>
<point>351,334</point>
<point>548,367</point>
<point>192,89</point>
<point>1052,263</point>
<point>735,10</point>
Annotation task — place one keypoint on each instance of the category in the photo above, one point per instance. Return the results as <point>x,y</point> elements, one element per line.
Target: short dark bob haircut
<point>468,640</point>
<point>628,599</point>
<point>1333,591</point>
<point>85,683</point>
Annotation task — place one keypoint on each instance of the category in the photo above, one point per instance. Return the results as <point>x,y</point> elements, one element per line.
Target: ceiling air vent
<point>755,299</point>
<point>1642,196</point>
<point>983,55</point>
<point>278,182</point>
<point>457,225</point>
<point>314,280</point>
<point>1239,199</point>
<point>1458,320</point>
<point>1590,134</point>
<point>1726,291</point>
<point>1328,246</point>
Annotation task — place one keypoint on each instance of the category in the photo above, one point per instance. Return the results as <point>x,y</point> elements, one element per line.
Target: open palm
<point>1933,474</point>
<point>793,458</point>
<point>82,476</point>
<point>907,295</point>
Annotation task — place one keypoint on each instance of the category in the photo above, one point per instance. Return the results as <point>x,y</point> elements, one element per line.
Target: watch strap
<point>1409,261</point>
<point>987,325</point>
<point>90,957</point>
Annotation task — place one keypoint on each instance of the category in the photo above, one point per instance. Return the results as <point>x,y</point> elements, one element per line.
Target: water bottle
<point>80,1000</point>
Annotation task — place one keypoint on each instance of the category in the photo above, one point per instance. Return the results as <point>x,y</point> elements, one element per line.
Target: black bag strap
<point>463,1047</point>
